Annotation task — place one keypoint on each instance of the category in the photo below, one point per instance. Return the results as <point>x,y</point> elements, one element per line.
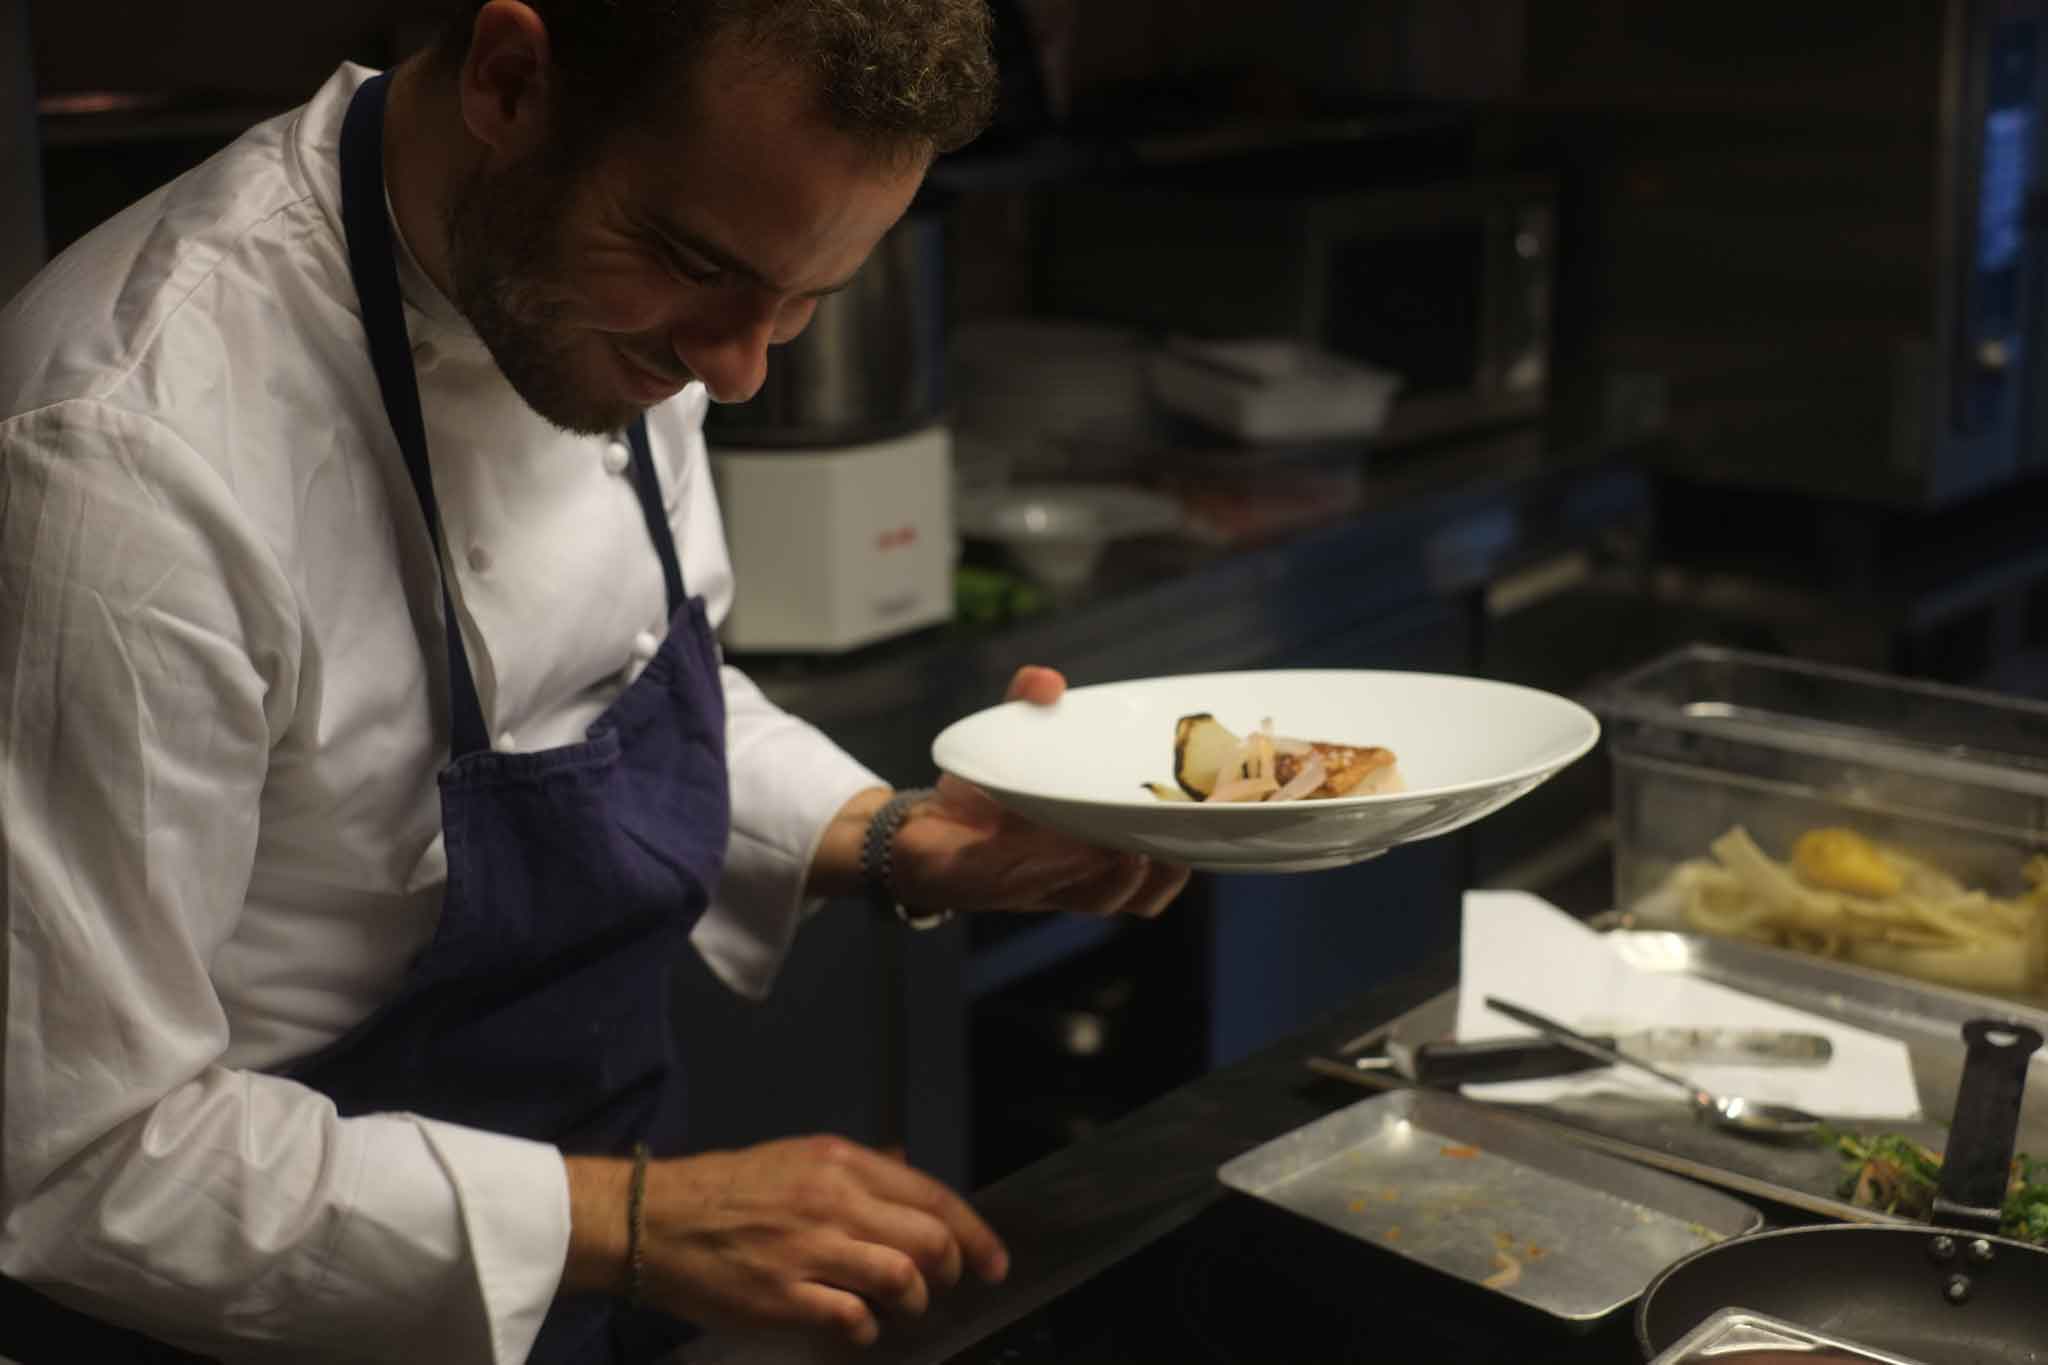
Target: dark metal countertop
<point>1080,1211</point>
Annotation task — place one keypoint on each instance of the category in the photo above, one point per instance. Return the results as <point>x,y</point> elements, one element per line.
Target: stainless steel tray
<point>1927,1019</point>
<point>1735,1335</point>
<point>1489,1199</point>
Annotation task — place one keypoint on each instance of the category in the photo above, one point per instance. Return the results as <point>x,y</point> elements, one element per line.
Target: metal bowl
<point>1057,532</point>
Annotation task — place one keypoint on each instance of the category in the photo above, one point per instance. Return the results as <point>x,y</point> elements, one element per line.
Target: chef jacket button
<point>617,458</point>
<point>479,559</point>
<point>645,646</point>
<point>507,742</point>
<point>425,355</point>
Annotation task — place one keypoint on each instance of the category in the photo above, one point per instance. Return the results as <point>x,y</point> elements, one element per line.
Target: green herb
<point>1897,1175</point>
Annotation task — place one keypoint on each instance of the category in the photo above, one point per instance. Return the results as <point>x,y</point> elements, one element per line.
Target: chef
<point>366,757</point>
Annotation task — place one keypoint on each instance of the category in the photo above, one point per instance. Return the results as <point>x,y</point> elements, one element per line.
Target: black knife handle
<point>1488,1060</point>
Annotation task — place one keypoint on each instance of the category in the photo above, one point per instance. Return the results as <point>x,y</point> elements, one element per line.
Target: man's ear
<point>506,83</point>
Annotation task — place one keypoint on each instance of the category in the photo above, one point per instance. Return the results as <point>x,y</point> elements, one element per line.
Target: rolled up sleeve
<point>148,664</point>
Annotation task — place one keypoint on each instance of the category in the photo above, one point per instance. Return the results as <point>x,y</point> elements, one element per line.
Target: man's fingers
<point>1104,893</point>
<point>976,1239</point>
<point>918,1234</point>
<point>835,1310</point>
<point>1040,686</point>
<point>1048,872</point>
<point>882,1275</point>
<point>1163,885</point>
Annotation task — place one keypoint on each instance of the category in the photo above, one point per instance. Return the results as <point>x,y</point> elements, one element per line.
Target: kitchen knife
<point>1523,1058</point>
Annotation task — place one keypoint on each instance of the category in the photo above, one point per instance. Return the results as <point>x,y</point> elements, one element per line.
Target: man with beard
<point>367,755</point>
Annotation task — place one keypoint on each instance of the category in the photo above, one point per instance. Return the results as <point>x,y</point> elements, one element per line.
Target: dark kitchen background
<point>1714,323</point>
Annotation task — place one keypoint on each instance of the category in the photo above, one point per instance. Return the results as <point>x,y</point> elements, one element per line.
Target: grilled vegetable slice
<point>1202,747</point>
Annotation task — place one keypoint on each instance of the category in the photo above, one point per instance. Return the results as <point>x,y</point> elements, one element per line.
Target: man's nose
<point>731,360</point>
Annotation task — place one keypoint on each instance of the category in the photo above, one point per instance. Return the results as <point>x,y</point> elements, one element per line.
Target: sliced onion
<point>1242,789</point>
<point>1292,748</point>
<point>1305,781</point>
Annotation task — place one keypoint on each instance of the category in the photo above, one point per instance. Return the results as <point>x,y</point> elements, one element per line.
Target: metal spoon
<point>1754,1117</point>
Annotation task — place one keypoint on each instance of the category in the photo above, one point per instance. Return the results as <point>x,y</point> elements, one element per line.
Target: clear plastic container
<point>1706,741</point>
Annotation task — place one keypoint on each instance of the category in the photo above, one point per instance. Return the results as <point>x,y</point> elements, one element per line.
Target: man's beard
<point>504,256</point>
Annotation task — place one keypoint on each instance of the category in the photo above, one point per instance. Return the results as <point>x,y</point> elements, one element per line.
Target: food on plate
<point>1897,1175</point>
<point>1845,896</point>
<point>1213,764</point>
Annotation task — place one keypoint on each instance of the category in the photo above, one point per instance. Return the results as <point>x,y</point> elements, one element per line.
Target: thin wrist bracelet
<point>877,854</point>
<point>636,1225</point>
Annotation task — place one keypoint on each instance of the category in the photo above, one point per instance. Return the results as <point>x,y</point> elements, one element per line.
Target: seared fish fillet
<point>1348,771</point>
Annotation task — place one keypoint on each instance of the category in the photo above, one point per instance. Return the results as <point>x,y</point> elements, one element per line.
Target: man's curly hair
<point>907,75</point>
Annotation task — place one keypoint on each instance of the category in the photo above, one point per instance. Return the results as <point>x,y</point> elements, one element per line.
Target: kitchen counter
<point>1125,1247</point>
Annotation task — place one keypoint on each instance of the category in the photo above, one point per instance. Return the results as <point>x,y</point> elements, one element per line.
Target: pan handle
<point>1977,1167</point>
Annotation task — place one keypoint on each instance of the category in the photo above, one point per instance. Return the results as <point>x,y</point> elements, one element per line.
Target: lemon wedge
<point>1843,860</point>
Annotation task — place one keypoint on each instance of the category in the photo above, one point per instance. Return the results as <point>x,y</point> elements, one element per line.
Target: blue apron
<point>541,1006</point>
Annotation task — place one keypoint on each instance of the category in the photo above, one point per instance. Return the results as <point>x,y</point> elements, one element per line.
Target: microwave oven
<point>1447,284</point>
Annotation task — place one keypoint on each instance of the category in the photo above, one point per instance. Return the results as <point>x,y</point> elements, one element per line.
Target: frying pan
<point>1951,1291</point>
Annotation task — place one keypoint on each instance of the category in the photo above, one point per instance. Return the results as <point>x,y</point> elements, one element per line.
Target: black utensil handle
<point>1977,1166</point>
<point>1484,1060</point>
<point>1579,1042</point>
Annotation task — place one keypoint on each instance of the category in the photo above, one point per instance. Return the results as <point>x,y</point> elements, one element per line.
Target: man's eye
<point>691,268</point>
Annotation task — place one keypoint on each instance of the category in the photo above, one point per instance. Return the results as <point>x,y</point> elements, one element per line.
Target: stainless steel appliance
<point>1446,283</point>
<point>871,365</point>
<point>835,480</point>
<point>1810,237</point>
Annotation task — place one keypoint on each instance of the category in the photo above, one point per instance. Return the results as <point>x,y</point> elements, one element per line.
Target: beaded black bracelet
<point>876,860</point>
<point>636,1224</point>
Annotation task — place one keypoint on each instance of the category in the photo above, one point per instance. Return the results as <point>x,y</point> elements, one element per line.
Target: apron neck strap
<point>647,483</point>
<point>373,262</point>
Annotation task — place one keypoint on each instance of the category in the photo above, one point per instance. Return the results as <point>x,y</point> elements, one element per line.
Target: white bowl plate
<point>1466,747</point>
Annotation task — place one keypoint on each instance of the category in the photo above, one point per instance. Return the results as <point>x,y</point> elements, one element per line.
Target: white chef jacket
<point>222,709</point>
